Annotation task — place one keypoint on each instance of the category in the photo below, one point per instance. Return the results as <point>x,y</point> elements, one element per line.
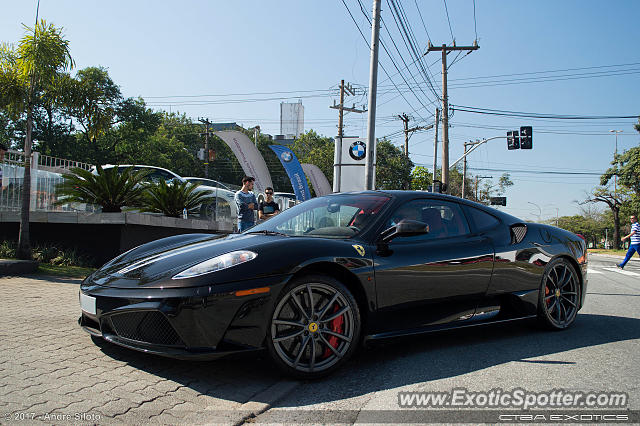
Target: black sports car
<point>314,281</point>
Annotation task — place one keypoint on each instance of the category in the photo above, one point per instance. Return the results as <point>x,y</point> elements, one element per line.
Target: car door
<point>434,278</point>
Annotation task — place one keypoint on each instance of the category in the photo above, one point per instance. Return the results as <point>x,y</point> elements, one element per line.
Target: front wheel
<point>315,327</point>
<point>559,296</point>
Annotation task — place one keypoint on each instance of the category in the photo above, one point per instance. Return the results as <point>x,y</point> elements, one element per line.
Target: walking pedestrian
<point>634,241</point>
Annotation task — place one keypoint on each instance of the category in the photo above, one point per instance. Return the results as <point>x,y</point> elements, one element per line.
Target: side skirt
<point>432,329</point>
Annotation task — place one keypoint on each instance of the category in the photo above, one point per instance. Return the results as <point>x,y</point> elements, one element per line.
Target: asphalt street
<point>52,372</point>
<point>601,352</point>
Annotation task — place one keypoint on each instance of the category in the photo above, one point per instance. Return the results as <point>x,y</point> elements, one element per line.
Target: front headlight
<point>218,263</point>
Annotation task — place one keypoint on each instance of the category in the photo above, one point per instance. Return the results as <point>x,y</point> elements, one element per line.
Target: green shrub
<point>111,188</point>
<point>170,199</point>
<point>49,253</point>
<point>8,249</point>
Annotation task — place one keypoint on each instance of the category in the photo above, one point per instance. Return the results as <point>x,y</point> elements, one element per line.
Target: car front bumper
<point>186,323</point>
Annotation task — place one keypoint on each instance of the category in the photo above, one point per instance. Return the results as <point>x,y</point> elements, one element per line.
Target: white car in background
<point>220,206</point>
<point>223,204</point>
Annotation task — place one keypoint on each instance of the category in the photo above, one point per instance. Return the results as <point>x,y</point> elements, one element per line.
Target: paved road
<point>50,369</point>
<point>600,352</point>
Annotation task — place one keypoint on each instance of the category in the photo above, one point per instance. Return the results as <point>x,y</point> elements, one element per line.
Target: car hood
<point>153,265</point>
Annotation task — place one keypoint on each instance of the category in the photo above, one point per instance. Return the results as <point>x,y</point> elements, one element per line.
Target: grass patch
<point>64,270</point>
<point>612,252</point>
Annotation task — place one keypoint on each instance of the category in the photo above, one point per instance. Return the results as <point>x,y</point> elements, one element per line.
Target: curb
<point>264,400</point>
<point>17,267</point>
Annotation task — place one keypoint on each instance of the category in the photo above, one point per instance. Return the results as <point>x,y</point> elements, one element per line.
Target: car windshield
<point>332,216</point>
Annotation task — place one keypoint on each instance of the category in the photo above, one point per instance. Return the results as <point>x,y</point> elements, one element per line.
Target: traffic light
<point>498,201</point>
<point>526,137</point>
<point>513,140</point>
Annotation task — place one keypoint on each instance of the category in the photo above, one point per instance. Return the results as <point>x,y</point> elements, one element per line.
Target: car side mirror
<point>404,228</point>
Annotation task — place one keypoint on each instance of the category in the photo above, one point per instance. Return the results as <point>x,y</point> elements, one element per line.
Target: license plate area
<point>88,304</point>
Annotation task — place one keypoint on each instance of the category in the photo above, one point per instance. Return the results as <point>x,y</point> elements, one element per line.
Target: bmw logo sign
<point>358,150</point>
<point>286,156</point>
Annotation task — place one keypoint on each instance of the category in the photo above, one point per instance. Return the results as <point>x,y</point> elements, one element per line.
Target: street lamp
<point>539,209</point>
<point>615,177</point>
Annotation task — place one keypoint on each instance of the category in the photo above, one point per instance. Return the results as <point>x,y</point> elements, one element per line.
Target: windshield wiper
<point>267,232</point>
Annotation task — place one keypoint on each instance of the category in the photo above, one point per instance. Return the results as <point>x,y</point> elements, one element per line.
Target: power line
<point>478,110</point>
<point>453,39</point>
<point>392,62</point>
<point>400,54</point>
<point>535,172</point>
<point>475,27</point>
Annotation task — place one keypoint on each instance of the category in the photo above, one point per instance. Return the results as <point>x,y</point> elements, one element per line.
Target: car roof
<point>409,195</point>
<point>109,166</point>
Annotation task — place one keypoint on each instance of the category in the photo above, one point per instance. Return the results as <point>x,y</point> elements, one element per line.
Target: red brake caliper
<point>546,293</point>
<point>337,326</point>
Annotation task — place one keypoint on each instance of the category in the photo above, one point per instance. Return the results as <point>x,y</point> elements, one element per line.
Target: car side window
<point>444,219</point>
<point>482,221</point>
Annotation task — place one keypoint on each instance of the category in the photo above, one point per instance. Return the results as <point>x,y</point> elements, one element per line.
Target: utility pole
<point>435,153</point>
<point>256,134</point>
<point>373,90</point>
<point>445,103</point>
<point>464,172</point>
<point>405,120</point>
<point>408,131</point>
<point>206,134</point>
<point>338,149</point>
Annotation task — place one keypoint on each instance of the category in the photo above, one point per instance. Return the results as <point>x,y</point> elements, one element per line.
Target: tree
<point>421,179</point>
<point>626,167</point>
<point>112,189</point>
<point>94,100</point>
<point>27,75</point>
<point>614,201</point>
<point>312,148</point>
<point>393,168</point>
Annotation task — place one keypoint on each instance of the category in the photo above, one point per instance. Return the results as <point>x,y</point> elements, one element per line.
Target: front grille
<point>145,326</point>
<point>518,233</point>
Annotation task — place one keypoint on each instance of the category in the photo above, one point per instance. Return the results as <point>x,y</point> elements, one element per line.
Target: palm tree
<point>171,199</point>
<point>111,188</point>
<point>27,74</point>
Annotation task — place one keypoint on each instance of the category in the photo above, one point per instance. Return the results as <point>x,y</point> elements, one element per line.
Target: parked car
<point>220,205</point>
<point>223,206</point>
<point>310,284</point>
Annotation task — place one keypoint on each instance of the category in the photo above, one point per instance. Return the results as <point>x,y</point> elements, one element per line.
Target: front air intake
<point>518,232</point>
<point>145,326</point>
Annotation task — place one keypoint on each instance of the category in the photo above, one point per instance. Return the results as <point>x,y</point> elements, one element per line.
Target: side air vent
<point>518,232</point>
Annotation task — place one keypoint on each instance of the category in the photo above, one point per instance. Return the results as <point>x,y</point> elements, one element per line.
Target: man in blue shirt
<point>246,203</point>
<point>634,237</point>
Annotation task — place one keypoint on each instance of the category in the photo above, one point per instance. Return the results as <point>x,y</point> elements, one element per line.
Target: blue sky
<point>248,50</point>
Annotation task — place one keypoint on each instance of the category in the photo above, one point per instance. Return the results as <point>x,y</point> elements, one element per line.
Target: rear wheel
<point>559,295</point>
<point>315,327</point>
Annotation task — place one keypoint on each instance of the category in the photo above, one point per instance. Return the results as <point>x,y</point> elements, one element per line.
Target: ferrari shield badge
<point>359,249</point>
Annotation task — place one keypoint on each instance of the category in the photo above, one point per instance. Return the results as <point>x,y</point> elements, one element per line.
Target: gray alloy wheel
<point>559,296</point>
<point>315,327</point>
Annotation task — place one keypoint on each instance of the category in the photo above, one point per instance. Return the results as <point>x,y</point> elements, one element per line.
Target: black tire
<point>311,340</point>
<point>559,295</point>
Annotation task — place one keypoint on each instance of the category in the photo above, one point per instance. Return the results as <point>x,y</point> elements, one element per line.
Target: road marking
<point>622,271</point>
<point>593,271</point>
